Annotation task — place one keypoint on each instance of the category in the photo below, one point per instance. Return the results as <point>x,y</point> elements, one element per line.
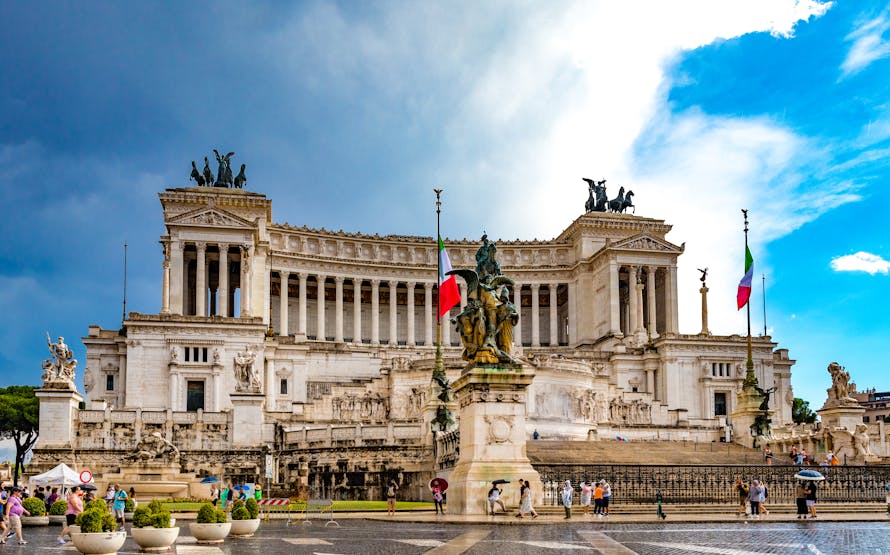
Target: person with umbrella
<point>811,477</point>
<point>494,497</point>
<point>800,493</point>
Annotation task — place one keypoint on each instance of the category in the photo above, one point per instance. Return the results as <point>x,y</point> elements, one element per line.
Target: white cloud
<point>868,45</point>
<point>861,262</point>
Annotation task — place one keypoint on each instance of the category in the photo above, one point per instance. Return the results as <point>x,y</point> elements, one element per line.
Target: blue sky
<point>348,114</point>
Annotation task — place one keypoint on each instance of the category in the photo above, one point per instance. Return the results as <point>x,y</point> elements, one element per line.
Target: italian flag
<point>449,294</point>
<point>745,285</point>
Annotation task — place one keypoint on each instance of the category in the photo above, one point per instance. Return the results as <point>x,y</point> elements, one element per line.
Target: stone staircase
<point>639,452</point>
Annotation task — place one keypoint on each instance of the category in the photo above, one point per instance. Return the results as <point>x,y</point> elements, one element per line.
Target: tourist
<point>525,500</point>
<point>763,509</point>
<point>119,506</point>
<point>799,459</point>
<point>536,435</point>
<point>755,496</point>
<point>800,494</point>
<point>133,497</point>
<point>89,496</point>
<point>391,490</point>
<point>109,495</point>
<point>3,527</point>
<point>494,499</point>
<point>14,512</point>
<point>437,500</point>
<point>53,497</point>
<point>811,498</point>
<point>598,499</point>
<point>793,455</point>
<point>767,455</point>
<point>258,492</point>
<point>741,489</point>
<point>805,456</point>
<point>834,460</point>
<point>607,496</point>
<point>224,497</point>
<point>214,495</point>
<point>567,494</point>
<point>39,494</point>
<point>586,494</point>
<point>74,508</point>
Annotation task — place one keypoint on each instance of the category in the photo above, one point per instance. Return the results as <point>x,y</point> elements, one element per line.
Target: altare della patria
<point>307,359</point>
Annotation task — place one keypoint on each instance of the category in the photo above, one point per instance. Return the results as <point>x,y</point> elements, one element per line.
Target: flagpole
<point>439,369</point>
<point>750,378</point>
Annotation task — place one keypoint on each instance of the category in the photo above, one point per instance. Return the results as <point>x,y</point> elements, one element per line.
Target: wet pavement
<point>437,537</point>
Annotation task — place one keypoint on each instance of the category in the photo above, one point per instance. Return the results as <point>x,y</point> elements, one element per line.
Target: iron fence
<point>713,484</point>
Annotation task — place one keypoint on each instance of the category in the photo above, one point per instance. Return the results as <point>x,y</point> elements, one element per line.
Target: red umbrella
<point>439,483</point>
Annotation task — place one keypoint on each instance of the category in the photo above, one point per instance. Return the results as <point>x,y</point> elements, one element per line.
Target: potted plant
<point>97,530</point>
<point>57,512</point>
<point>129,507</point>
<point>38,512</point>
<point>211,526</point>
<point>245,518</point>
<point>152,530</point>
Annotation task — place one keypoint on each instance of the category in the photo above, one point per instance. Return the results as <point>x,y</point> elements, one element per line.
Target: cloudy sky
<point>348,114</point>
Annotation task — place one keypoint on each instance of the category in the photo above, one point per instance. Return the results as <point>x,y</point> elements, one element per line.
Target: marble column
<point>650,290</point>
<point>704,310</point>
<point>320,335</point>
<point>177,278</point>
<point>165,288</point>
<point>224,280</point>
<point>338,310</point>
<point>303,277</point>
<point>356,310</point>
<point>517,300</point>
<point>245,282</point>
<point>614,300</point>
<point>411,341</point>
<point>673,322</point>
<point>641,328</point>
<point>201,280</point>
<point>375,312</point>
<point>282,306</point>
<point>554,328</point>
<point>536,316</point>
<point>428,314</point>
<point>393,313</point>
<point>632,298</point>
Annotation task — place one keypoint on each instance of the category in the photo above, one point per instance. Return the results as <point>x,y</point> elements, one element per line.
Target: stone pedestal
<point>492,439</point>
<point>747,409</point>
<point>841,416</point>
<point>247,416</point>
<point>58,406</point>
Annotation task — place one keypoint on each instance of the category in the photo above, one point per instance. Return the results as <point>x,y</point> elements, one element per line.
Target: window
<point>282,389</point>
<point>109,382</point>
<point>719,404</point>
<point>865,419</point>
<point>195,354</point>
<point>194,395</point>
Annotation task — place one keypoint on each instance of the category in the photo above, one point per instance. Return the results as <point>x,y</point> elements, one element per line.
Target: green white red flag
<point>449,293</point>
<point>745,285</point>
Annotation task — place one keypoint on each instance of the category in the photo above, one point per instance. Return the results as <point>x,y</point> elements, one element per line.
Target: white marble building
<point>289,339</point>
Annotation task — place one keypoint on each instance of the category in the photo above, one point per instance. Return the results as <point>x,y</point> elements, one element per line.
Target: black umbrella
<point>496,482</point>
<point>86,487</point>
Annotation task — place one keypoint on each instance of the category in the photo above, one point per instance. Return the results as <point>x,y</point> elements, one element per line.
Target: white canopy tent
<point>61,475</point>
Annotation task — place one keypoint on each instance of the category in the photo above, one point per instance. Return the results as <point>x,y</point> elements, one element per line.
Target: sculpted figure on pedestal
<point>861,441</point>
<point>486,324</point>
<point>246,373</point>
<point>154,446</point>
<point>839,392</point>
<point>59,369</point>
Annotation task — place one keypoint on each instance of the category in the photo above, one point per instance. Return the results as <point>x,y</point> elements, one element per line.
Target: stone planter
<point>99,543</point>
<point>210,533</point>
<point>57,519</point>
<point>155,539</point>
<point>35,520</point>
<point>244,528</point>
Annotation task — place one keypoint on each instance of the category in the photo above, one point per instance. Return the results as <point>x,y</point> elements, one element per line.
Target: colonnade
<point>404,323</point>
<point>221,272</point>
<point>645,301</point>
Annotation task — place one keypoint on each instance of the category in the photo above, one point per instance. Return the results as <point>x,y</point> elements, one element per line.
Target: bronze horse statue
<point>622,202</point>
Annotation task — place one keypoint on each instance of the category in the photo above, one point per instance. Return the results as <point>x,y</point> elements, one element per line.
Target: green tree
<point>19,416</point>
<point>801,413</point>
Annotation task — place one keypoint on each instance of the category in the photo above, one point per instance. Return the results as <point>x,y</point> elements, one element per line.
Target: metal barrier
<point>319,507</point>
<point>691,484</point>
<point>275,505</point>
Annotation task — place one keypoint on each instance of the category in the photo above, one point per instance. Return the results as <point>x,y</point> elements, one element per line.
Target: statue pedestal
<point>247,416</point>
<point>492,439</point>
<point>841,416</point>
<point>57,406</point>
<point>746,411</point>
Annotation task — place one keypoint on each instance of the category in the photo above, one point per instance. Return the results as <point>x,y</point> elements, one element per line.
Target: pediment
<point>647,243</point>
<point>210,217</point>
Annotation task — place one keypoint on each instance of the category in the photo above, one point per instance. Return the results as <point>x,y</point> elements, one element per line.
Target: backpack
<point>765,493</point>
<point>391,491</point>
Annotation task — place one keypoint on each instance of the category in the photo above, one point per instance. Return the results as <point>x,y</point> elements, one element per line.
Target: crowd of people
<point>752,498</point>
